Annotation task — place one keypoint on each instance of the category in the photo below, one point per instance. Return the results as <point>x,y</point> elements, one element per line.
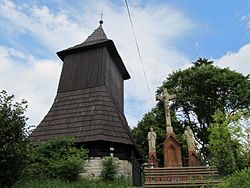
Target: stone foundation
<point>93,167</point>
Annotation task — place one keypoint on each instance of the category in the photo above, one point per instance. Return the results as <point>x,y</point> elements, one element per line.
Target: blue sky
<point>223,26</point>
<point>171,34</point>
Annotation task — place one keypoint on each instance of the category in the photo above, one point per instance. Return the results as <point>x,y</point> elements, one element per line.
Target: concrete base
<point>93,167</point>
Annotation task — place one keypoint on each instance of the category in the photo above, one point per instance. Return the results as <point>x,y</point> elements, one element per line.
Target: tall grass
<point>81,183</point>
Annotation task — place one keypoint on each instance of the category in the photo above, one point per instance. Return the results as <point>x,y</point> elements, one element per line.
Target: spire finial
<point>101,21</point>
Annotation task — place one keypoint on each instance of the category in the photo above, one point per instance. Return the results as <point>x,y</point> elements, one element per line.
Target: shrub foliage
<point>13,146</point>
<point>109,171</point>
<point>56,158</point>
<point>239,179</point>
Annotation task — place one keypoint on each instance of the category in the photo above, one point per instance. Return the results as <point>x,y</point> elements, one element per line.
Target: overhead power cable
<point>138,49</point>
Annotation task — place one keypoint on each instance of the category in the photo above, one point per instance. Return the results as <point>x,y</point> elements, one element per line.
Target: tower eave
<point>97,44</point>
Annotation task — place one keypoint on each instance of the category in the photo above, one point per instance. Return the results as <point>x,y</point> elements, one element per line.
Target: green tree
<point>13,139</point>
<point>109,171</point>
<point>201,90</point>
<point>229,141</point>
<point>221,145</point>
<point>56,158</point>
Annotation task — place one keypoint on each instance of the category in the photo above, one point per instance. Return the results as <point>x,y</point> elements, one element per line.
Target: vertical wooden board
<point>114,80</point>
<point>82,70</point>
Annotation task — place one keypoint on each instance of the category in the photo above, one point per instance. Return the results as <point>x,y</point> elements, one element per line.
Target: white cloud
<point>55,31</point>
<point>3,55</point>
<point>36,82</point>
<point>156,27</point>
<point>246,20</point>
<point>238,61</point>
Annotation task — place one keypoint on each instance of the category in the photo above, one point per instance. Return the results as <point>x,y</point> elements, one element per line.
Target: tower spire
<point>101,21</point>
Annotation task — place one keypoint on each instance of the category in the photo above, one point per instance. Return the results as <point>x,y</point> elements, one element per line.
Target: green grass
<point>82,183</point>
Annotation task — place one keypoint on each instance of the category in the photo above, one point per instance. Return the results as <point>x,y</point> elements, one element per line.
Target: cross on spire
<point>102,14</point>
<point>166,98</point>
<point>101,21</point>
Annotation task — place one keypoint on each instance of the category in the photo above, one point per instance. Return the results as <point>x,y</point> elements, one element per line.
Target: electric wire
<point>138,49</point>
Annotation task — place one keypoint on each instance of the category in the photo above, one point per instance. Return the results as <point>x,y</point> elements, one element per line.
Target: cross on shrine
<point>166,97</point>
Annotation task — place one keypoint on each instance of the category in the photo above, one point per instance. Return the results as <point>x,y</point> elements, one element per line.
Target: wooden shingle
<point>103,120</point>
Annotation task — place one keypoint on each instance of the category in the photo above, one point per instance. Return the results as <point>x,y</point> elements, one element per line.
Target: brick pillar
<point>152,159</point>
<point>193,159</point>
<point>172,151</point>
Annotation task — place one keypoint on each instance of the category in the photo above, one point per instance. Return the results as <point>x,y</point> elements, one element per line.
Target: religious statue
<point>189,137</point>
<point>151,139</point>
<point>171,146</point>
<point>166,98</point>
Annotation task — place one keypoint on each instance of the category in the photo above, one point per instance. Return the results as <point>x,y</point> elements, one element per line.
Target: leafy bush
<point>109,171</point>
<point>13,147</point>
<point>56,158</point>
<point>239,179</point>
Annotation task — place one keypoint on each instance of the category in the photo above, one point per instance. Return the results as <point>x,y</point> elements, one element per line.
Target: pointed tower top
<point>98,39</point>
<point>97,36</point>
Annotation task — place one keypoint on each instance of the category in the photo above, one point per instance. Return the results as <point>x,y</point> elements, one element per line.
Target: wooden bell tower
<point>89,104</point>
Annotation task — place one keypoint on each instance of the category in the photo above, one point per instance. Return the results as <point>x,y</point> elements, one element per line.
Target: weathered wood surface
<point>90,69</point>
<point>181,177</point>
<point>88,115</point>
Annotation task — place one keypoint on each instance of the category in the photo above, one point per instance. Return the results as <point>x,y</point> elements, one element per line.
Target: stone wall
<point>93,167</point>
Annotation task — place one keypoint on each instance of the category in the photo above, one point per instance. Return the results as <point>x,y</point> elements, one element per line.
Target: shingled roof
<point>87,115</point>
<point>98,36</point>
<point>98,39</point>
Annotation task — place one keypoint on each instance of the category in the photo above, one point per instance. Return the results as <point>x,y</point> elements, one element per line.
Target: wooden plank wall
<point>114,81</point>
<point>89,69</point>
<point>82,70</point>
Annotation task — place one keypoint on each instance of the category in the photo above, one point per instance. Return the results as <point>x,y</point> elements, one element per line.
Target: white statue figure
<point>151,139</point>
<point>189,137</point>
